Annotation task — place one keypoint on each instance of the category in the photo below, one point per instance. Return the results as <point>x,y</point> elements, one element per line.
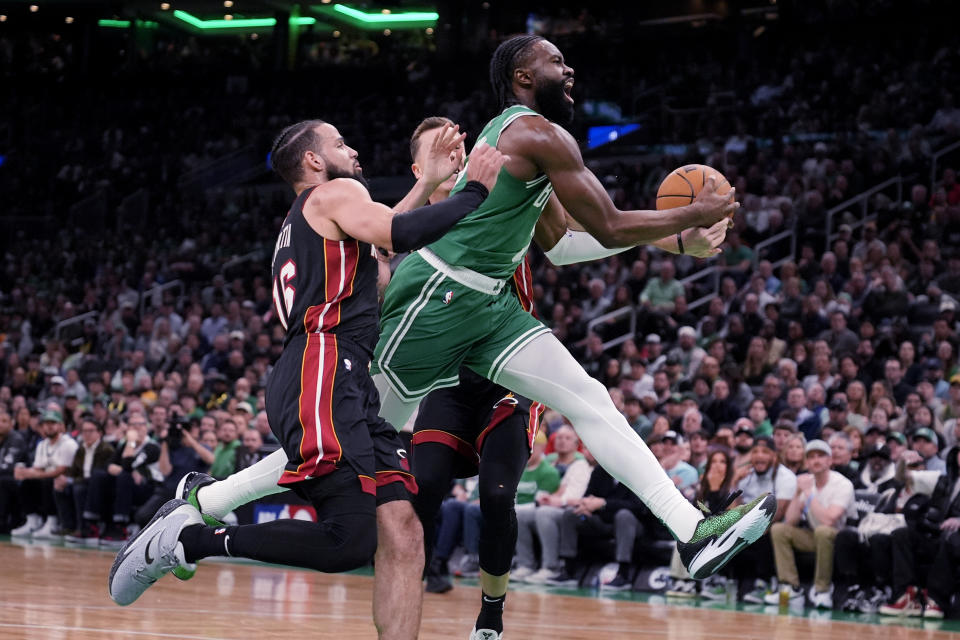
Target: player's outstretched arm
<point>443,159</point>
<point>564,241</point>
<point>556,153</point>
<point>348,205</point>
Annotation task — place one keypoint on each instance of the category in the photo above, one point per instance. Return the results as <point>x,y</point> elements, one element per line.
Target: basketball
<point>683,184</point>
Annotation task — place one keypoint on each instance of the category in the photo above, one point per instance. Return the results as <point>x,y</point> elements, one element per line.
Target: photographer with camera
<point>180,453</point>
<point>931,535</point>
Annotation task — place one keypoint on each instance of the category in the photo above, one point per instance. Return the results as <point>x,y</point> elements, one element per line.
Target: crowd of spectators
<point>832,379</point>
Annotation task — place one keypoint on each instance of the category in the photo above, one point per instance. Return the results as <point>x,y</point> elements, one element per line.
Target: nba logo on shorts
<point>447,297</point>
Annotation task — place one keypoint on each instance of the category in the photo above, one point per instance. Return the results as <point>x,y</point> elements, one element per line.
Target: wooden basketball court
<point>52,592</point>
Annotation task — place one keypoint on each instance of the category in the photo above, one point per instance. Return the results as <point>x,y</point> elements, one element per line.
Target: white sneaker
<point>793,594</point>
<point>49,531</point>
<point>682,588</point>
<point>152,553</point>
<point>520,574</point>
<point>541,576</point>
<point>759,592</point>
<point>485,634</point>
<point>821,599</point>
<point>714,588</point>
<point>34,523</point>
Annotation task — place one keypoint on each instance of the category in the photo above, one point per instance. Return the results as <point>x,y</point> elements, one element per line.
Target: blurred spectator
<point>574,472</point>
<point>608,509</point>
<point>667,450</point>
<point>13,452</point>
<point>824,498</point>
<point>224,456</point>
<point>926,443</point>
<point>763,473</point>
<point>53,457</point>
<point>930,535</point>
<point>125,486</point>
<point>71,488</point>
<point>252,450</point>
<point>841,456</point>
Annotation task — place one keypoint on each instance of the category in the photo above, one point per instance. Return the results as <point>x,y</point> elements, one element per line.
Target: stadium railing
<point>772,240</point>
<point>862,201</point>
<point>233,168</point>
<point>713,289</point>
<point>256,255</point>
<point>61,326</point>
<point>935,159</point>
<point>155,293</point>
<point>630,311</point>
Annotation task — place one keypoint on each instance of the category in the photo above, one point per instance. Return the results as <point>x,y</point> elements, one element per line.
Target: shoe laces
<point>723,505</point>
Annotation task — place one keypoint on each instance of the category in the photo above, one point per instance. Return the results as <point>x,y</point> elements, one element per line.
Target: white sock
<point>256,481</point>
<point>545,371</point>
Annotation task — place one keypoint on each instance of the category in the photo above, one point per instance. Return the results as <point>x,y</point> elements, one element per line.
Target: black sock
<point>624,570</point>
<point>491,613</point>
<point>200,541</point>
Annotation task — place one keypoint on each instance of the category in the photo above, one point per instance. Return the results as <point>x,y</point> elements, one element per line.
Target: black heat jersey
<point>320,400</point>
<point>324,286</point>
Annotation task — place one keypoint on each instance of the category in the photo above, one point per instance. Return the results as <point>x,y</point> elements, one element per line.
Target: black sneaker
<point>87,535</point>
<point>619,583</point>
<point>114,537</point>
<point>437,579</point>
<point>723,534</point>
<point>438,584</point>
<point>562,579</point>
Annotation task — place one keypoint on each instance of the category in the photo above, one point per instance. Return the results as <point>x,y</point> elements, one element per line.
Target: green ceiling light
<point>114,24</point>
<point>236,23</point>
<point>378,20</point>
<point>383,19</point>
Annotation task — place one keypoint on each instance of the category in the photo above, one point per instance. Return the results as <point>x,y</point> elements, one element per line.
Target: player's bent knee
<point>358,543</point>
<point>497,502</point>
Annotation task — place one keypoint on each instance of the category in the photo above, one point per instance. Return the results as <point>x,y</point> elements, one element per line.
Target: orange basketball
<point>683,184</point>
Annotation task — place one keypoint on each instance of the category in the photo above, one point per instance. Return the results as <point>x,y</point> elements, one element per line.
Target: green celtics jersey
<point>493,239</point>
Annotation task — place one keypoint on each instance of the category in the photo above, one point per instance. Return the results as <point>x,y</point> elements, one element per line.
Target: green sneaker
<point>187,490</point>
<point>716,590</point>
<point>184,571</point>
<point>722,535</point>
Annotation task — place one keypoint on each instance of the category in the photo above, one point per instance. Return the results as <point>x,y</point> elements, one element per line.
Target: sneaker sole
<point>166,509</point>
<point>747,530</point>
<point>896,613</point>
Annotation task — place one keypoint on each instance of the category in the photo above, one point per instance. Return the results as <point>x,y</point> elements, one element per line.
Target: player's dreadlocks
<point>289,147</point>
<point>508,56</point>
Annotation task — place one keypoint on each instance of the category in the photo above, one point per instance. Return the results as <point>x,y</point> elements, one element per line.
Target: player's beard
<point>553,104</point>
<point>334,172</point>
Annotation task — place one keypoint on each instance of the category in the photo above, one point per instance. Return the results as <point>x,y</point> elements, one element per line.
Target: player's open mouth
<point>568,89</point>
